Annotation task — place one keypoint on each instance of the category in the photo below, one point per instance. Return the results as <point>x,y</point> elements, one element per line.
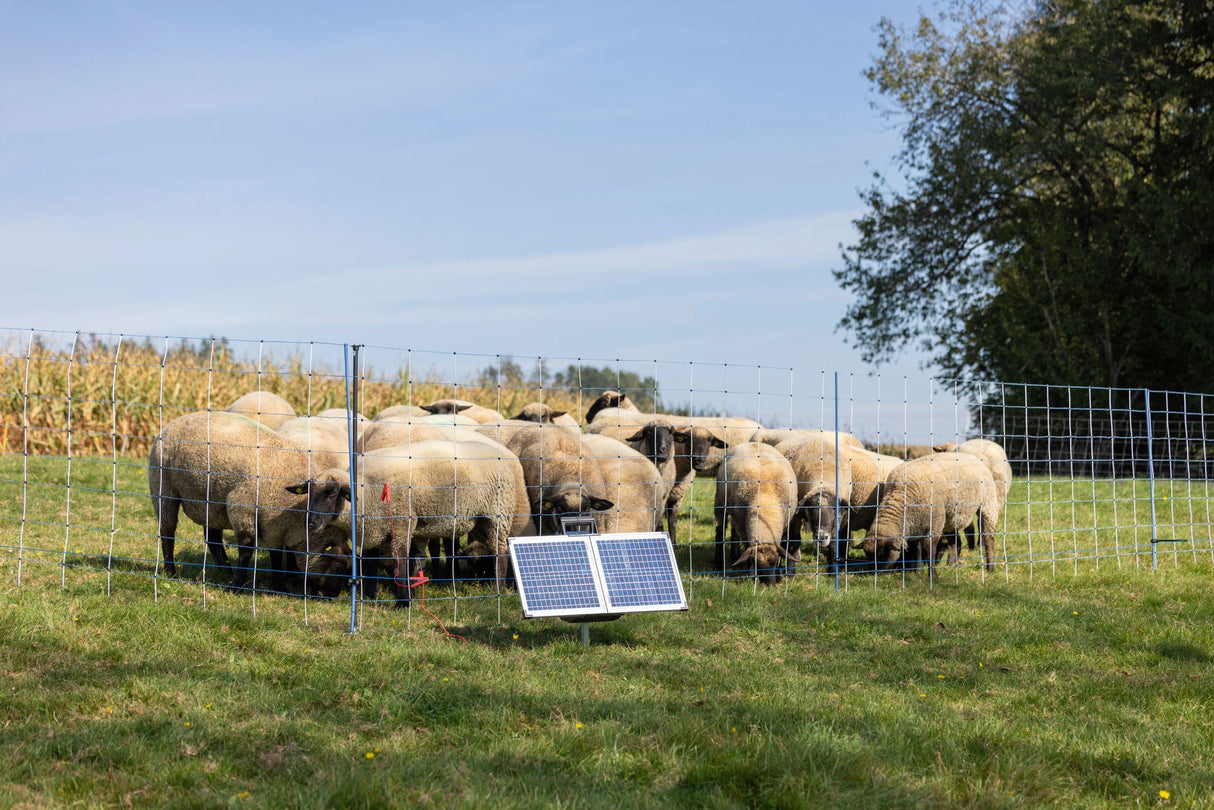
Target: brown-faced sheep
<point>542,414</point>
<point>756,497</point>
<point>563,477</point>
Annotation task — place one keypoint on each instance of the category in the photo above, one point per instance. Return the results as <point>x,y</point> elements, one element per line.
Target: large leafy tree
<point>1051,217</point>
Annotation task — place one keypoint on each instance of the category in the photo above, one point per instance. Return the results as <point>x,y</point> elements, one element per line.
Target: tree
<point>593,381</point>
<point>1057,168</point>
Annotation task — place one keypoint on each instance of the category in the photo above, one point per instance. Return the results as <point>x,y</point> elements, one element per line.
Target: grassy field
<point>1078,680</point>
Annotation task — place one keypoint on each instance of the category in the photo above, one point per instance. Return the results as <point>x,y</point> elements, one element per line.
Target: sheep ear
<point>548,506</point>
<point>344,492</point>
<point>680,436</point>
<point>555,414</point>
<point>745,557</point>
<point>715,442</point>
<point>636,437</point>
<point>298,489</point>
<point>431,408</point>
<point>600,504</point>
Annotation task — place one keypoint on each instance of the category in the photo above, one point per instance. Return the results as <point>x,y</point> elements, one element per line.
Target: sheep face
<point>697,443</point>
<point>567,502</point>
<point>539,413</point>
<point>656,442</point>
<point>766,560</point>
<point>818,512</point>
<point>327,499</point>
<point>885,552</point>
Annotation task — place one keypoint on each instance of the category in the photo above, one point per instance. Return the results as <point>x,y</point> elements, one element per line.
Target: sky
<point>640,181</point>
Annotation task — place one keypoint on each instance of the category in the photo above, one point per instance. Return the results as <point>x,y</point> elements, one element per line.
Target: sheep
<point>691,452</point>
<point>421,491</point>
<point>929,501</point>
<point>562,476</point>
<point>776,436</point>
<point>477,413</point>
<point>504,430</point>
<point>756,497</point>
<point>401,413</point>
<point>609,399</point>
<point>543,414</point>
<point>269,409</point>
<point>326,439</point>
<point>824,492</point>
<point>390,433</point>
<point>633,484</point>
<point>728,430</point>
<point>197,462</point>
<point>995,458</point>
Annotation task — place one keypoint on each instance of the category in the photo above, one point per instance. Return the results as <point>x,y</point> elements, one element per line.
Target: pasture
<point>1075,675</point>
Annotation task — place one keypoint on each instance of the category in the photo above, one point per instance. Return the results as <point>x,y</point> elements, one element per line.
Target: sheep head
<point>818,511</point>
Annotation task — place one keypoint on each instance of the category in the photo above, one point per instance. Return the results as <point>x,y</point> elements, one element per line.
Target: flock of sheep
<point>449,482</point>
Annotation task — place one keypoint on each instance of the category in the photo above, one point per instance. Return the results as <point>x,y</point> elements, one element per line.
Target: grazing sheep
<point>543,414</point>
<point>633,484</point>
<point>609,399</point>
<point>995,458</point>
<point>756,498</point>
<point>927,502</point>
<point>563,477</point>
<point>423,491</point>
<point>195,464</point>
<point>269,409</point>
<point>477,413</point>
<point>824,491</point>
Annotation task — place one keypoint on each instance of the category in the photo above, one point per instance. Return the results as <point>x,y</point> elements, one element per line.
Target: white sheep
<point>756,498</point>
<point>269,409</point>
<point>200,459</point>
<point>563,477</point>
<point>543,414</point>
<point>995,458</point>
<point>927,502</point>
<point>426,490</point>
<point>633,484</point>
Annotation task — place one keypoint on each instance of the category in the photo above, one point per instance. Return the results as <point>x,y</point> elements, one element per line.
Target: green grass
<point>1079,683</point>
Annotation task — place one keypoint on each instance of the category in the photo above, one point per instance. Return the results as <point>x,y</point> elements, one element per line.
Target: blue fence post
<point>352,425</point>
<point>838,541</point>
<point>1146,392</point>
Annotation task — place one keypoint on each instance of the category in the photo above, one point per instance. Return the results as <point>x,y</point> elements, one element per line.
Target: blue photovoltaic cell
<point>640,573</point>
<point>555,577</point>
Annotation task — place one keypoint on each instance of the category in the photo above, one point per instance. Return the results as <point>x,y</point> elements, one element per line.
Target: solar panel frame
<point>599,575</point>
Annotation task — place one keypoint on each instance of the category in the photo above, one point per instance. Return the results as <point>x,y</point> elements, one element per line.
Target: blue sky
<point>645,181</point>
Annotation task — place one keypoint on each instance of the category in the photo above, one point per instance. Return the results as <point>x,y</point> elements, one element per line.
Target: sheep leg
<point>718,556</point>
<point>672,519</point>
<point>217,549</point>
<point>792,545</point>
<point>988,540</point>
<point>166,517</point>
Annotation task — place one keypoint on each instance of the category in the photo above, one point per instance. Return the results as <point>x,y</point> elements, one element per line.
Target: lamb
<point>756,498</point>
<point>633,484</point>
<point>562,476</point>
<point>477,413</point>
<point>929,501</point>
<point>543,414</point>
<point>609,399</point>
<point>212,465</point>
<point>269,409</point>
<point>421,491</point>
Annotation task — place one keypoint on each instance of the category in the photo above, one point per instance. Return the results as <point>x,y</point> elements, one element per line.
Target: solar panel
<point>596,575</point>
<point>639,572</point>
<point>555,577</point>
